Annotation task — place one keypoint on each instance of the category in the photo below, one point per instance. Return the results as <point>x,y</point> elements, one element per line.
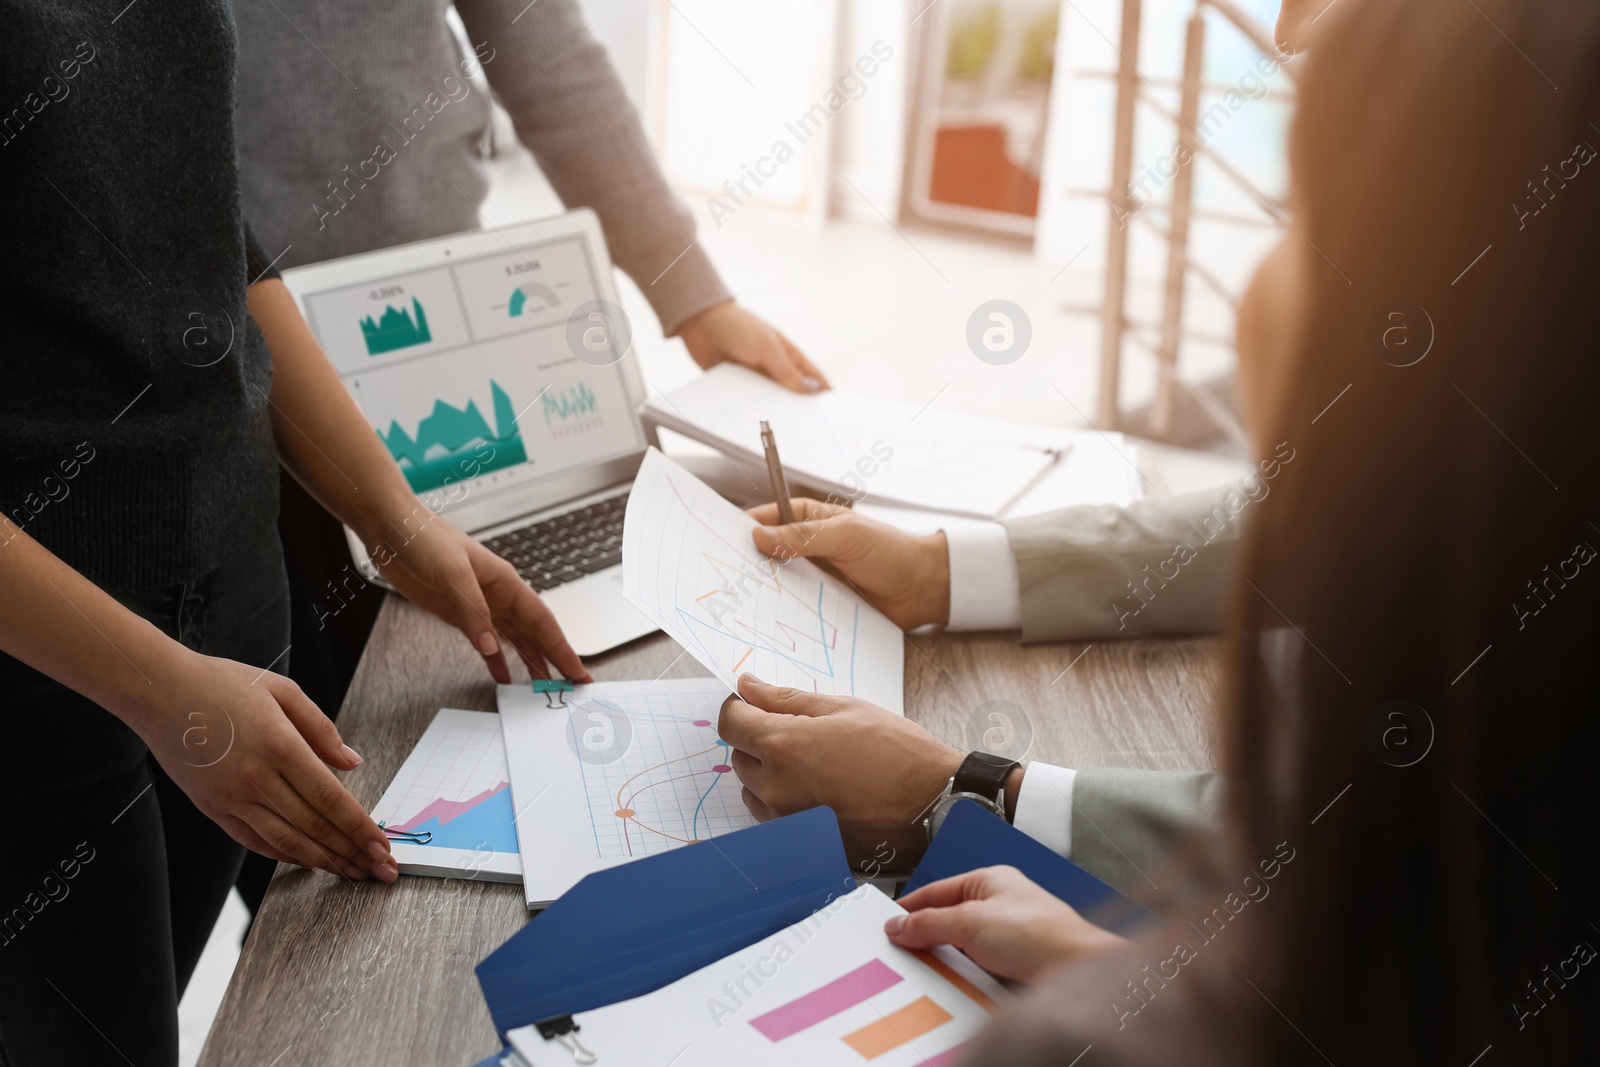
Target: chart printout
<point>688,562</point>
<point>830,989</point>
<point>613,771</point>
<point>449,806</point>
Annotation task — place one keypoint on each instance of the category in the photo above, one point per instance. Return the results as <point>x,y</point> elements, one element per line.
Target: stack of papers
<point>448,810</point>
<point>886,453</point>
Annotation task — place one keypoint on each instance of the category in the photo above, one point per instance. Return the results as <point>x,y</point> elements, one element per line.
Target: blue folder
<point>629,930</point>
<point>971,837</point>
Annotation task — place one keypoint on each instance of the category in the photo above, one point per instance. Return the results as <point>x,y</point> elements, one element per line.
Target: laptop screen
<point>489,374</point>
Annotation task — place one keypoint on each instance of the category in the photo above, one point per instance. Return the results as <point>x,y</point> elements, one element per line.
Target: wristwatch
<point>981,778</point>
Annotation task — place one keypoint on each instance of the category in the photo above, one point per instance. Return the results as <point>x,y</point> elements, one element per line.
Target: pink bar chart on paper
<point>826,1001</point>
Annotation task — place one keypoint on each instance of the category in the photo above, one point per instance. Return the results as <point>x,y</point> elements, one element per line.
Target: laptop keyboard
<point>560,550</point>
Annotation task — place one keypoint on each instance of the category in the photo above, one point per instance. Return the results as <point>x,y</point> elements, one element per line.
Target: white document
<point>1095,468</point>
<point>613,771</point>
<point>829,989</point>
<point>688,562</point>
<point>853,445</point>
<point>453,798</point>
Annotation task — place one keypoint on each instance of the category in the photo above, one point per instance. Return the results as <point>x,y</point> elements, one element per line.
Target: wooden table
<point>337,972</point>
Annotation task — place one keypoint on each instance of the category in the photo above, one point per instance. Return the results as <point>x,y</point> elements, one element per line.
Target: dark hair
<point>1429,552</point>
<point>1414,702</point>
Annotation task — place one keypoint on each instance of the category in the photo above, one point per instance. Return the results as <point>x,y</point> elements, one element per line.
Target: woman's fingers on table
<point>317,729</point>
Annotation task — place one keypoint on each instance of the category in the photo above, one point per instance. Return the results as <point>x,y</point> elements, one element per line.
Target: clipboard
<point>629,930</point>
<point>971,838</point>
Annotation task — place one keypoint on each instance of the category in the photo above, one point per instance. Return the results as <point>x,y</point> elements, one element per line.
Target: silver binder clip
<point>564,1030</point>
<point>414,837</point>
<point>555,692</point>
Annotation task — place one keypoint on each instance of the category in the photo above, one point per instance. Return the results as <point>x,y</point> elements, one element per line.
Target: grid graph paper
<point>675,783</point>
<point>614,771</point>
<point>461,756</point>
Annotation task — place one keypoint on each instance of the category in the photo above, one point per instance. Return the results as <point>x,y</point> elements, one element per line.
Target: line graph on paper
<point>673,784</point>
<point>690,564</point>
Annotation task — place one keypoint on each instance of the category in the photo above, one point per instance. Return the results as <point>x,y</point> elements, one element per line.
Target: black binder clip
<point>555,690</point>
<point>563,1029</point>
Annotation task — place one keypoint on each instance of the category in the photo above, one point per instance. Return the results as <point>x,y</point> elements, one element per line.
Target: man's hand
<point>878,771</point>
<point>727,333</point>
<point>443,570</point>
<point>1006,923</point>
<point>905,577</point>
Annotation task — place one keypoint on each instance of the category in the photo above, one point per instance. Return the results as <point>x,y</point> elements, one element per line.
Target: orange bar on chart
<point>897,1028</point>
<point>957,979</point>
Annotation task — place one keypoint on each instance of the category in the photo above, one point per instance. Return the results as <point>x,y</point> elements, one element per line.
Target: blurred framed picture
<point>979,115</point>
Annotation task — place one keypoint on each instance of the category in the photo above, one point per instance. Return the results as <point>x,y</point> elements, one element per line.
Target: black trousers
<point>332,614</point>
<point>112,879</point>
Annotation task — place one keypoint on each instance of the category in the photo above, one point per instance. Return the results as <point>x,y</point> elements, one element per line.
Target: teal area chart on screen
<point>396,328</point>
<point>457,443</point>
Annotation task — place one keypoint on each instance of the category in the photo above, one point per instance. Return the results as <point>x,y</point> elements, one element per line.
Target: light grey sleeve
<point>1159,566</point>
<point>1126,822</point>
<point>572,112</point>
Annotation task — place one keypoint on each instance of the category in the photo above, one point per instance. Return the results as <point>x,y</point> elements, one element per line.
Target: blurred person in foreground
<point>1404,869</point>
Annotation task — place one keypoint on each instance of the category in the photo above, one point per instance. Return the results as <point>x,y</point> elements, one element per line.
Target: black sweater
<point>134,437</point>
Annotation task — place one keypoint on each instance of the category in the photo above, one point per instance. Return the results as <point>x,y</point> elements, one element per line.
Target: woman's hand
<point>905,577</point>
<point>1007,924</point>
<point>252,751</point>
<point>419,553</point>
<point>247,746</point>
<point>440,568</point>
<point>727,333</point>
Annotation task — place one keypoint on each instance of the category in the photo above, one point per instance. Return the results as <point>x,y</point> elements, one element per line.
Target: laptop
<point>497,368</point>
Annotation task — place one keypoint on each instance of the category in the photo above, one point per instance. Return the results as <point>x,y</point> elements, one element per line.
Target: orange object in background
<point>971,168</point>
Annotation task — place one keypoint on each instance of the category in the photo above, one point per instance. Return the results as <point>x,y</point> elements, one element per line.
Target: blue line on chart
<point>855,629</point>
<point>594,827</point>
<point>822,629</point>
<point>694,826</point>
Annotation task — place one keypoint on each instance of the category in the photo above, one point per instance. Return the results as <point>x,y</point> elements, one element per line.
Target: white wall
<point>623,27</point>
<point>869,144</point>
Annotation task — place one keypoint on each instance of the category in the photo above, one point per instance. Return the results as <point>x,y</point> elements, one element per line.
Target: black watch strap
<point>984,774</point>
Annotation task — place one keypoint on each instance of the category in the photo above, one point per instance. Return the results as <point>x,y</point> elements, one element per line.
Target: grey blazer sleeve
<point>1125,822</point>
<point>570,109</point>
<point>1159,566</point>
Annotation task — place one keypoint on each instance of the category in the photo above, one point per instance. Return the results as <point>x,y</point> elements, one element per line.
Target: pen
<point>780,484</point>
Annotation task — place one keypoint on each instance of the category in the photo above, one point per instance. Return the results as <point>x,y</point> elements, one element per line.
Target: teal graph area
<point>448,443</point>
<point>396,328</point>
<point>570,403</point>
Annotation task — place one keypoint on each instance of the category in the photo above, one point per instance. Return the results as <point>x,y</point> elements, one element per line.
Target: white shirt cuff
<point>1044,806</point>
<point>983,579</point>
